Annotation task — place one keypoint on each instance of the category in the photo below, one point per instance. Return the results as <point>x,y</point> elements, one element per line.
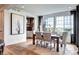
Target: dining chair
<point>38,38</point>
<point>64,40</point>
<point>47,39</point>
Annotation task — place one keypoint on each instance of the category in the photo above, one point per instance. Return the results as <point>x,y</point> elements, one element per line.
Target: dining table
<point>53,37</point>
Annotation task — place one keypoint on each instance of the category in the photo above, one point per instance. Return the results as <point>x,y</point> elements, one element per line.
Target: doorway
<point>30,27</point>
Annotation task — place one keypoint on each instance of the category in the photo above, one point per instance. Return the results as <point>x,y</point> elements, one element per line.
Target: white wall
<point>36,23</point>
<point>13,39</point>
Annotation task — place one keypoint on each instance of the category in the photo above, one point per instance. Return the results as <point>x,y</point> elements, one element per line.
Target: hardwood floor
<point>26,48</point>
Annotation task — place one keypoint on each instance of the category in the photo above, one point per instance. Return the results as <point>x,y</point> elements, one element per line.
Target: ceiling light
<point>69,7</point>
<point>22,6</point>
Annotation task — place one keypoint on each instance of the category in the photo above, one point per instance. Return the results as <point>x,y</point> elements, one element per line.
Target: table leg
<point>54,43</point>
<point>33,39</point>
<point>57,45</point>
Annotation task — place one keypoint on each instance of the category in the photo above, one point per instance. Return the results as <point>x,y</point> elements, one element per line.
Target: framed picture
<point>17,24</point>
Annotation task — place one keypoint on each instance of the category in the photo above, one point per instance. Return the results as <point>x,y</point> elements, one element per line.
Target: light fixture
<point>22,6</point>
<point>69,7</point>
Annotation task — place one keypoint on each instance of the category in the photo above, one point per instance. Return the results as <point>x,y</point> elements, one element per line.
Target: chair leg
<point>54,43</point>
<point>50,45</point>
<point>44,44</point>
<point>64,48</point>
<point>41,43</point>
<point>61,45</point>
<point>37,43</point>
<point>0,52</point>
<point>3,49</point>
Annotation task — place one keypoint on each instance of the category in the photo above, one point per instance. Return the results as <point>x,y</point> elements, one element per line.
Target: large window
<point>59,24</point>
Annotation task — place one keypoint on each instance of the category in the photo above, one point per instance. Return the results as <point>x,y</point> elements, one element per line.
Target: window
<point>49,24</point>
<point>68,23</point>
<point>59,23</point>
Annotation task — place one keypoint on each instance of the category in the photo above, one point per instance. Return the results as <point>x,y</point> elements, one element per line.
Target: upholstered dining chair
<point>64,40</point>
<point>38,38</point>
<point>47,39</point>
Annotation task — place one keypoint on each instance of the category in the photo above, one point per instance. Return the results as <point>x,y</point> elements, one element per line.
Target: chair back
<point>38,35</point>
<point>47,36</point>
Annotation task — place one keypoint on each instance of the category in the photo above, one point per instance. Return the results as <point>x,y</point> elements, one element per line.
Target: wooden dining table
<point>53,37</point>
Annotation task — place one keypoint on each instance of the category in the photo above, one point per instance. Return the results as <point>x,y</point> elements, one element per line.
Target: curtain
<point>39,22</point>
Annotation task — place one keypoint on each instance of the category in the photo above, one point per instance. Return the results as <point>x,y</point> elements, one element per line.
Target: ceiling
<point>44,9</point>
